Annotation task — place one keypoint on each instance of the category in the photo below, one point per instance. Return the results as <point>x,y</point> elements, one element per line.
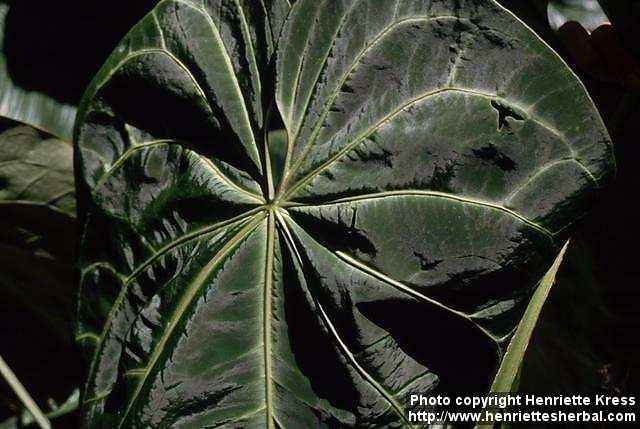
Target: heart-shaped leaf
<point>433,158</point>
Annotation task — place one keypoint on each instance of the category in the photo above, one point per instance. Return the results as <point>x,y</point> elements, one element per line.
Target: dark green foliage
<point>435,159</point>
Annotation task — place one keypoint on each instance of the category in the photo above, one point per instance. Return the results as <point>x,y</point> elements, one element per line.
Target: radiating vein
<point>232,75</point>
<point>267,338</point>
<point>237,419</point>
<point>125,287</point>
<point>269,36</point>
<point>185,301</point>
<point>123,158</point>
<point>60,195</point>
<point>398,409</point>
<point>25,162</point>
<point>246,33</point>
<point>18,388</point>
<point>409,291</point>
<point>325,57</point>
<point>332,97</point>
<point>327,163</point>
<point>294,85</point>
<point>190,76</point>
<point>230,182</point>
<point>162,51</point>
<point>308,98</point>
<point>139,146</point>
<point>396,284</point>
<point>429,194</point>
<point>542,170</point>
<point>159,28</point>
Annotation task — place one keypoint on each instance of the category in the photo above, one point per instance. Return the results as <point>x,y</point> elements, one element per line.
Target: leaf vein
<point>332,97</point>
<point>125,287</point>
<point>185,302</point>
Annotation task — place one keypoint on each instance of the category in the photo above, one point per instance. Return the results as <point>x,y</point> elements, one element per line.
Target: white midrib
<point>268,297</point>
<point>393,403</point>
<point>185,301</point>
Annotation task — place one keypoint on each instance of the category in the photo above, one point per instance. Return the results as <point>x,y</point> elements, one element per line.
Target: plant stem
<point>23,395</point>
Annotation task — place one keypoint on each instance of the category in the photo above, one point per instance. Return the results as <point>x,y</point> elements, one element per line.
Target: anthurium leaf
<point>37,258</point>
<point>31,107</point>
<point>380,230</point>
<point>37,211</point>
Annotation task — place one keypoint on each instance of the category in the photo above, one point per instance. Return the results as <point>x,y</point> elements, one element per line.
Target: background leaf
<point>44,68</point>
<point>577,348</point>
<point>30,107</point>
<point>37,256</point>
<point>37,204</point>
<point>511,365</point>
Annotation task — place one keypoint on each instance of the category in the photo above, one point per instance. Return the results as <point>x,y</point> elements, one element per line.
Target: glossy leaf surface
<point>433,158</point>
<point>37,212</point>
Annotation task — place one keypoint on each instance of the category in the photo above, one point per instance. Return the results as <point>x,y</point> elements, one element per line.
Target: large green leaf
<point>37,213</point>
<point>37,230</point>
<point>37,257</point>
<point>435,156</point>
<point>31,107</point>
<point>37,201</point>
